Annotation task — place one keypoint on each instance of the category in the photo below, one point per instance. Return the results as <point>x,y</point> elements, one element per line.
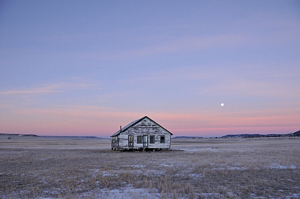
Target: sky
<point>85,68</point>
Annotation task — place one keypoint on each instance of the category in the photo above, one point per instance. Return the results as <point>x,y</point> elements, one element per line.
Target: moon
<point>222,104</point>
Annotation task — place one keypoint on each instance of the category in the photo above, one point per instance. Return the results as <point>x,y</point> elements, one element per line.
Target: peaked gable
<point>135,122</point>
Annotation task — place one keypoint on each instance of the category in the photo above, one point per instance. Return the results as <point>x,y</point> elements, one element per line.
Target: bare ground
<point>37,167</point>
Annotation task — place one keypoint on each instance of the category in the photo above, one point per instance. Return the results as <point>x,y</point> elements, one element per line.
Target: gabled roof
<point>135,122</point>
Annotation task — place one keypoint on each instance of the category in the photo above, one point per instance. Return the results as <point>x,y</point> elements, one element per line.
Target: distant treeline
<point>296,134</point>
<point>75,137</point>
<point>32,135</point>
<point>11,134</point>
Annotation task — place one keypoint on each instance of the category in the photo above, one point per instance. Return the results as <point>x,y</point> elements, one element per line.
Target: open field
<point>38,167</point>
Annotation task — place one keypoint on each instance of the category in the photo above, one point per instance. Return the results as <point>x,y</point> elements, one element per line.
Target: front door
<point>145,141</point>
<point>130,140</point>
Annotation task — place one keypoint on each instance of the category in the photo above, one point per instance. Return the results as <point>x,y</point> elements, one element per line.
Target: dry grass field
<point>39,167</point>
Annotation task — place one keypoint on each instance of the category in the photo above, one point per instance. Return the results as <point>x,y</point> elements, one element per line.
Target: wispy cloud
<point>174,46</point>
<point>51,88</point>
<point>188,43</point>
<point>39,90</point>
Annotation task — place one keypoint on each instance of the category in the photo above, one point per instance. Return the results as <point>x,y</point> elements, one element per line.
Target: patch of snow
<point>196,149</point>
<point>296,195</point>
<point>195,175</point>
<point>166,165</point>
<point>95,170</point>
<point>154,172</point>
<point>236,168</point>
<point>279,166</point>
<point>135,166</point>
<point>225,167</point>
<point>104,173</point>
<point>292,166</point>
<point>128,192</point>
<point>211,195</point>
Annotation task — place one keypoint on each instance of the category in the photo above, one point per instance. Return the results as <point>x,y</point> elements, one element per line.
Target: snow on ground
<point>196,149</point>
<point>128,192</point>
<point>279,166</point>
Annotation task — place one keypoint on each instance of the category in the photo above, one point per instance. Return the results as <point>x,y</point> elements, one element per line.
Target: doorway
<point>130,140</point>
<point>145,141</point>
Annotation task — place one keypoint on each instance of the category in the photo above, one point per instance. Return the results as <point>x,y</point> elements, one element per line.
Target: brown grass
<point>196,168</point>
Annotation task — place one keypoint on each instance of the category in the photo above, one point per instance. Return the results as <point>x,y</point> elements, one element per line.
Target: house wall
<point>114,142</point>
<point>144,127</point>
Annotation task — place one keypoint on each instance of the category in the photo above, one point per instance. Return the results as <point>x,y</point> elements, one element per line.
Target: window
<point>130,138</point>
<point>162,139</point>
<point>152,139</point>
<point>139,139</point>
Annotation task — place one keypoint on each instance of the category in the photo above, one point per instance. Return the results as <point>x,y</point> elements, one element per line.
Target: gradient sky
<point>87,67</point>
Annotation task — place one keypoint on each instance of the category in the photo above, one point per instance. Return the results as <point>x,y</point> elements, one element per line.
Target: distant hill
<point>188,137</point>
<point>74,137</point>
<point>243,136</point>
<point>297,133</point>
<point>11,134</point>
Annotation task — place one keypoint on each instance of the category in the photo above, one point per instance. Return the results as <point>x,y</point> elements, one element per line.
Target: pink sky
<point>98,121</point>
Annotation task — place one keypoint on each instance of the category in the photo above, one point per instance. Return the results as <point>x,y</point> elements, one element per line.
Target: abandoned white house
<point>143,134</point>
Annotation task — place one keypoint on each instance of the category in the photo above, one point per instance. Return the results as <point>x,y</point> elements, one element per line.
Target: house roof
<point>135,122</point>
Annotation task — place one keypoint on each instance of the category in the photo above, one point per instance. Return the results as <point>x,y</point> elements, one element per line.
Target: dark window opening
<point>139,139</point>
<point>152,139</point>
<point>162,139</point>
<point>130,140</point>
